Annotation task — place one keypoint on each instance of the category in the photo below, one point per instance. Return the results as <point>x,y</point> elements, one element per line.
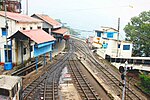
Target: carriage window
<point>4,92</point>
<point>14,90</point>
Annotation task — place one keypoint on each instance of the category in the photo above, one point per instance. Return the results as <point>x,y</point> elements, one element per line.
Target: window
<point>110,34</point>
<point>4,92</point>
<point>8,53</point>
<point>98,34</point>
<point>46,30</point>
<point>24,28</point>
<point>24,51</point>
<point>4,32</point>
<point>30,28</point>
<point>118,45</point>
<point>14,90</point>
<point>39,27</point>
<point>31,48</point>
<point>126,47</point>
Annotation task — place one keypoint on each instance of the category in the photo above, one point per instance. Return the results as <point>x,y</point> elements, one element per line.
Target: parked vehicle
<point>10,87</point>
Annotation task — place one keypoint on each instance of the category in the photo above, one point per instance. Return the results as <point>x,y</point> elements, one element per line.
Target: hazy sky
<point>89,14</point>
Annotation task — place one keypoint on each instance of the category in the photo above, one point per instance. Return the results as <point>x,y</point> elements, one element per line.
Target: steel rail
<point>27,69</point>
<point>30,88</point>
<point>110,76</point>
<point>80,78</point>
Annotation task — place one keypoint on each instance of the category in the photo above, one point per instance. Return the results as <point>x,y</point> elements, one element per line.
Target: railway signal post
<point>124,72</point>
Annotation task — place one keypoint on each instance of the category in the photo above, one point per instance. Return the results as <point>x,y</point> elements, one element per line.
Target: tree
<point>138,31</point>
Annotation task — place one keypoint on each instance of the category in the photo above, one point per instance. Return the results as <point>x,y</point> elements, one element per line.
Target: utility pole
<point>124,81</point>
<point>118,36</point>
<point>6,26</point>
<point>26,7</point>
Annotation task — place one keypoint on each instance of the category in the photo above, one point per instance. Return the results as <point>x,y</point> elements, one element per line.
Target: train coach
<point>10,87</point>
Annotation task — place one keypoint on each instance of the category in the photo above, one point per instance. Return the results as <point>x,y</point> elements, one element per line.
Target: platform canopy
<point>42,39</point>
<point>60,31</point>
<point>38,35</point>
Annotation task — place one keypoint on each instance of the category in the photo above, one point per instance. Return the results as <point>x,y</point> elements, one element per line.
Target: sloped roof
<point>60,31</point>
<point>19,17</point>
<point>37,35</point>
<point>47,19</point>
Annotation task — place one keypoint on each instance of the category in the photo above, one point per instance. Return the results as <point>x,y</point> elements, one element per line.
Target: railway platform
<point>59,47</point>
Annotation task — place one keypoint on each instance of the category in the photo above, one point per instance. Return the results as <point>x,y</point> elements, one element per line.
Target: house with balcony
<point>106,40</point>
<point>10,50</point>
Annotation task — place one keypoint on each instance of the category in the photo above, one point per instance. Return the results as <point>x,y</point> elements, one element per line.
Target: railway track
<point>46,86</point>
<point>27,69</point>
<point>51,86</point>
<point>83,86</point>
<point>105,73</point>
<point>28,92</point>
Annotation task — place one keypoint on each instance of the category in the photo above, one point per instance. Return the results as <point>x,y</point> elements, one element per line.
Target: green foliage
<point>138,31</point>
<point>145,83</point>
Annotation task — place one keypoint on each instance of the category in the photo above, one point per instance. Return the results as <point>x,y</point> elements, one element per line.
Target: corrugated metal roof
<point>38,35</point>
<point>19,17</point>
<point>60,31</point>
<point>48,19</point>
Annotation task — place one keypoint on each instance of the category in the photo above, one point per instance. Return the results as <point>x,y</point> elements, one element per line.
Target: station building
<point>53,27</point>
<point>22,38</point>
<point>48,24</point>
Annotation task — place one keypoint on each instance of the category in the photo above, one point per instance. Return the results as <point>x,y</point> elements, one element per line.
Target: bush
<point>145,83</point>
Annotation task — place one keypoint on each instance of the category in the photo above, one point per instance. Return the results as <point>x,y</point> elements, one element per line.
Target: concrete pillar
<point>50,55</point>
<point>44,59</point>
<point>21,52</point>
<point>36,60</point>
<point>11,50</point>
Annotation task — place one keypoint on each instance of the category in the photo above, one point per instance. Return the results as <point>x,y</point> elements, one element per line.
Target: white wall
<point>13,27</point>
<point>11,30</point>
<point>126,53</point>
<point>112,48</point>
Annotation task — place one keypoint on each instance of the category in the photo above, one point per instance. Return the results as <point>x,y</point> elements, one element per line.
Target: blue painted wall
<point>42,48</point>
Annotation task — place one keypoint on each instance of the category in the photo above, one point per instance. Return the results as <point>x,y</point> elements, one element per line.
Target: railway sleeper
<point>85,85</point>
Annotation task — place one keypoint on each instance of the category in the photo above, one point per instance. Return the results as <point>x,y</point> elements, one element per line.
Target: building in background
<point>106,40</point>
<point>53,27</point>
<point>48,24</point>
<point>11,5</point>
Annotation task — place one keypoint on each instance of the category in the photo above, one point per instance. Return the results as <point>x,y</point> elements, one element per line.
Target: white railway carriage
<point>10,87</point>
